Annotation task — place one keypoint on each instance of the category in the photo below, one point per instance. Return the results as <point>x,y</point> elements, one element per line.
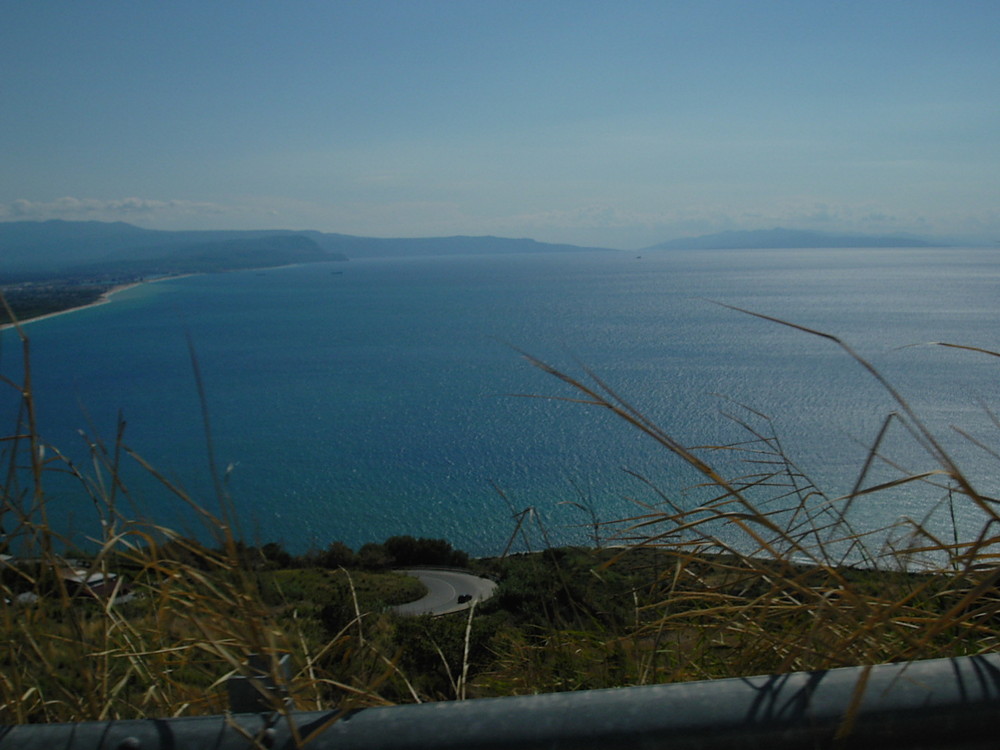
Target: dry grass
<point>771,575</point>
<point>181,619</point>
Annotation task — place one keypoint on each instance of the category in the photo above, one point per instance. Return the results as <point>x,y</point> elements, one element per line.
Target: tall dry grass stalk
<point>146,623</point>
<point>769,574</point>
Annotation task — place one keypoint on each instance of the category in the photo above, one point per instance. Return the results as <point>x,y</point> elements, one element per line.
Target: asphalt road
<point>444,587</point>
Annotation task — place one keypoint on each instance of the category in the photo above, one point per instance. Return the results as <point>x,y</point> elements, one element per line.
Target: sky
<point>611,124</point>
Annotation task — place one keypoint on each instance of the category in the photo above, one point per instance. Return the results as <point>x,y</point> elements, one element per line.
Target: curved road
<point>444,587</point>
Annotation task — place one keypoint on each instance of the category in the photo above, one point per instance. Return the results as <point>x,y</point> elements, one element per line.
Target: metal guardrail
<point>953,703</point>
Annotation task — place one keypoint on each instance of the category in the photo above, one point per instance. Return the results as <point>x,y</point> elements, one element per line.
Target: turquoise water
<point>354,401</point>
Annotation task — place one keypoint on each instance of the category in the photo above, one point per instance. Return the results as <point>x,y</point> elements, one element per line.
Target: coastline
<point>107,295</point>
<point>105,298</point>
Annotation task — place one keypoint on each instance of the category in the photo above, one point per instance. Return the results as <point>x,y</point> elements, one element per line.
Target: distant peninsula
<point>33,249</point>
<point>777,238</point>
<point>53,266</point>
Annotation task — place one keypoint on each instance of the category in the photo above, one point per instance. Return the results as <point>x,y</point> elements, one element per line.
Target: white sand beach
<point>103,299</point>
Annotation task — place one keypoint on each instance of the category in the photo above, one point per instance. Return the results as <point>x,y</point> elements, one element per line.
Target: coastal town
<point>26,300</point>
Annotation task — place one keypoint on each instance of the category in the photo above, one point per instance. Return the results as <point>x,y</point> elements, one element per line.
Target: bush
<point>406,551</point>
<point>373,556</point>
<point>337,555</point>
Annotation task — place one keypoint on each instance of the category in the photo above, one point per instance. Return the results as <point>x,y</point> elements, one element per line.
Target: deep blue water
<point>353,401</point>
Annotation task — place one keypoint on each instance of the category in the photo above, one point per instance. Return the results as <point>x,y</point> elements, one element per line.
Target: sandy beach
<point>106,296</point>
<point>103,299</point>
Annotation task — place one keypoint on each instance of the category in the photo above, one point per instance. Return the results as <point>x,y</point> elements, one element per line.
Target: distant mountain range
<point>372,247</point>
<point>763,239</point>
<point>92,248</point>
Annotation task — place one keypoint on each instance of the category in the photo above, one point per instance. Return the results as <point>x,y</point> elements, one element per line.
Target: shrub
<point>407,551</point>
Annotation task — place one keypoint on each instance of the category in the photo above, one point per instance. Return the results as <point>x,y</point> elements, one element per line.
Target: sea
<point>353,401</point>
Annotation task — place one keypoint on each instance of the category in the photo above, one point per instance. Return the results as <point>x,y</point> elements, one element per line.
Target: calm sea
<point>354,401</point>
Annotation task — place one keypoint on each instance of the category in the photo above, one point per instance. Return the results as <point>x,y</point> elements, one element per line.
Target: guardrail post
<point>263,687</point>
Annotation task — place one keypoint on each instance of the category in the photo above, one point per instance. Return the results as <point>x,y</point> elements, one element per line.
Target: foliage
<point>337,555</point>
<point>35,300</point>
<point>406,551</point>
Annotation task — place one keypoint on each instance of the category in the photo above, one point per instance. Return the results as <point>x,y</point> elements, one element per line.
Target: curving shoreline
<point>106,295</point>
<point>104,298</point>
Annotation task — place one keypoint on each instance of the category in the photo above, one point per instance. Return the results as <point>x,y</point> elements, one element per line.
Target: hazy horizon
<point>584,123</point>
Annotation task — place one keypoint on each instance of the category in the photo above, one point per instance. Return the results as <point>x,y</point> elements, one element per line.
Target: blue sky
<point>597,123</point>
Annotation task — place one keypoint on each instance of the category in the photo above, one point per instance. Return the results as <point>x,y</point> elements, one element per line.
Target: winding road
<point>444,587</point>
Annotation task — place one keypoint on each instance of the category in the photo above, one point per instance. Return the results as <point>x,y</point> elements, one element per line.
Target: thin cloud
<point>70,207</point>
